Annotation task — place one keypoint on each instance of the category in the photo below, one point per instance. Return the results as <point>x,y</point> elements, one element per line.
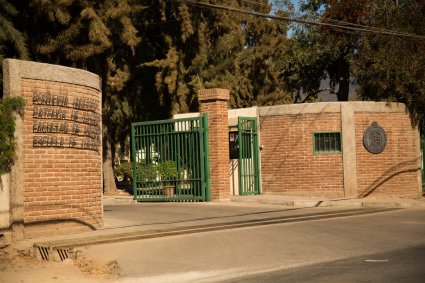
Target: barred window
<point>329,142</point>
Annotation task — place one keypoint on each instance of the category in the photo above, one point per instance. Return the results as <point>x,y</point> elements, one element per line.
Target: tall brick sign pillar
<point>55,184</point>
<point>215,102</point>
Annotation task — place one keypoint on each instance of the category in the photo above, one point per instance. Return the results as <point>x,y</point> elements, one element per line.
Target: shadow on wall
<point>78,210</point>
<point>404,167</point>
<point>60,221</point>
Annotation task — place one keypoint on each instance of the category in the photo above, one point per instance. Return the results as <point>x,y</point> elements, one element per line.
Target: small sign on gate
<point>233,145</point>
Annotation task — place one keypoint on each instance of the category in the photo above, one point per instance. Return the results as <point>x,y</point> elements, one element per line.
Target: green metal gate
<point>249,183</point>
<point>170,160</point>
<point>422,135</point>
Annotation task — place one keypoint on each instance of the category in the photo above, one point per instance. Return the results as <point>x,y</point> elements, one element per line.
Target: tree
<point>392,68</point>
<point>12,41</point>
<point>302,66</point>
<point>98,36</point>
<point>8,107</point>
<point>252,73</point>
<point>319,52</point>
<point>183,49</point>
<point>190,48</point>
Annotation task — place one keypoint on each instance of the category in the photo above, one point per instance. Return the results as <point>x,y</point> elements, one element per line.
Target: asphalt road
<point>378,247</point>
<point>406,265</point>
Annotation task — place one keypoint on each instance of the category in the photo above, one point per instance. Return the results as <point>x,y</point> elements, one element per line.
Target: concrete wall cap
<point>243,112</point>
<point>212,94</point>
<point>186,115</point>
<point>331,107</point>
<point>15,70</point>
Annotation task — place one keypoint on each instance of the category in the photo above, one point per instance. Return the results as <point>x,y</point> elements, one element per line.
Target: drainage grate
<point>44,252</point>
<point>56,254</point>
<point>63,254</point>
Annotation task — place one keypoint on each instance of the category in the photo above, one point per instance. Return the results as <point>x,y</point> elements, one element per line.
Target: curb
<point>60,250</point>
<point>335,203</point>
<point>108,200</point>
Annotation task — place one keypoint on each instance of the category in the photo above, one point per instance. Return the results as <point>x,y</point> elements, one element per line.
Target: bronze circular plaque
<point>375,138</point>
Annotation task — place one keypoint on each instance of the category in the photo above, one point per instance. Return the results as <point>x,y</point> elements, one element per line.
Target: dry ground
<point>21,267</point>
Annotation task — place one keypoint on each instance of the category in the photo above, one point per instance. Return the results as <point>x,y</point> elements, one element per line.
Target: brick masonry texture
<point>290,167</point>
<point>288,163</point>
<point>395,170</point>
<point>62,183</point>
<point>55,183</point>
<point>215,103</point>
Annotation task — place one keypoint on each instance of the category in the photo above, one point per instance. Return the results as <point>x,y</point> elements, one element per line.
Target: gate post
<point>214,101</point>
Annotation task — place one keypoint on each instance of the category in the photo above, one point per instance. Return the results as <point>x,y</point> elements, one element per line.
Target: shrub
<point>124,172</point>
<point>8,106</point>
<point>168,170</point>
<point>148,172</point>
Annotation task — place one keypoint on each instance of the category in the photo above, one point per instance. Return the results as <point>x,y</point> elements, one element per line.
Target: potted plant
<point>124,172</point>
<point>148,172</point>
<point>168,173</point>
<point>124,176</point>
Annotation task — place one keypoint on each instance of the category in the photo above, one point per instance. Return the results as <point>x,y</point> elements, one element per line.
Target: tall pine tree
<point>392,68</point>
<point>187,48</point>
<point>12,41</point>
<point>98,36</point>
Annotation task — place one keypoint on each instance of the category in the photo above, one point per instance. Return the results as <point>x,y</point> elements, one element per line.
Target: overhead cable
<point>335,23</point>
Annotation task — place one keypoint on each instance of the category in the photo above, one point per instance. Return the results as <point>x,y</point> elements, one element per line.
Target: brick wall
<point>395,170</point>
<point>215,103</point>
<point>288,163</point>
<point>290,167</point>
<point>60,183</point>
<point>56,183</point>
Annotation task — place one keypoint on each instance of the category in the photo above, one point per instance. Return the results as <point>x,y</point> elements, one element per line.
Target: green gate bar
<point>170,160</point>
<point>249,183</point>
<point>422,138</point>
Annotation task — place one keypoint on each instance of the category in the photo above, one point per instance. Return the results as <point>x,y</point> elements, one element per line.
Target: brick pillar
<point>214,101</point>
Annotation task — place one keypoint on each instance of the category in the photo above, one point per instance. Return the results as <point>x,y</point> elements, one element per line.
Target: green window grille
<point>329,142</point>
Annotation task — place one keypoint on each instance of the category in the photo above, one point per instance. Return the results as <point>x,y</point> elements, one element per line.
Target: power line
<point>163,22</point>
<point>337,25</point>
<point>255,3</point>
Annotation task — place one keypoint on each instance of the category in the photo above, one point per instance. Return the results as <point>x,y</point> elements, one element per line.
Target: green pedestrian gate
<point>249,183</point>
<point>170,160</point>
<point>422,135</point>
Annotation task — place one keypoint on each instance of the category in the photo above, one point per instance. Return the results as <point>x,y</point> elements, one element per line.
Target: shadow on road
<point>405,265</point>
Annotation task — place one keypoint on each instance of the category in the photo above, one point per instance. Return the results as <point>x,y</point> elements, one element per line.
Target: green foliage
<point>388,68</point>
<point>302,65</point>
<point>124,171</point>
<point>318,53</point>
<point>183,49</point>
<point>153,56</point>
<point>99,36</point>
<point>13,43</point>
<point>392,68</point>
<point>188,48</point>
<point>8,107</point>
<point>167,170</point>
<point>148,172</point>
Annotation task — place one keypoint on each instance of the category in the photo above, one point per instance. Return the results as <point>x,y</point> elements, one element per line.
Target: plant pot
<point>169,191</point>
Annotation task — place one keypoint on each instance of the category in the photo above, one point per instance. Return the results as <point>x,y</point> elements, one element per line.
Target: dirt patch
<point>110,270</point>
<point>11,256</point>
<point>119,192</point>
<point>20,265</point>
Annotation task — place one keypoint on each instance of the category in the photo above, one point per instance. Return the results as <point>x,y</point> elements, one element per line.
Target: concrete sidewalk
<point>126,220</point>
<point>295,201</point>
